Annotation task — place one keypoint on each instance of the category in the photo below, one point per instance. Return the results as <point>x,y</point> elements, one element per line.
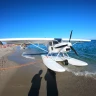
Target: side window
<point>50,43</point>
<point>55,42</point>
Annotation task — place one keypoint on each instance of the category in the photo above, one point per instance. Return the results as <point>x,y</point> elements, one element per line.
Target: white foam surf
<point>83,73</point>
<point>27,56</point>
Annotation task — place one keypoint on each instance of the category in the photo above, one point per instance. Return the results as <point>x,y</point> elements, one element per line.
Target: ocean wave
<point>83,73</point>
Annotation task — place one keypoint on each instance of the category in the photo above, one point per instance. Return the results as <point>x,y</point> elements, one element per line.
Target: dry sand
<point>30,81</point>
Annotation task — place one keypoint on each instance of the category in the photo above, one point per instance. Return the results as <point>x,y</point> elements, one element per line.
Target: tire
<point>66,62</point>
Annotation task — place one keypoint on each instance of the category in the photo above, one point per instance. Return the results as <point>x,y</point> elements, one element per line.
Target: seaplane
<point>57,54</point>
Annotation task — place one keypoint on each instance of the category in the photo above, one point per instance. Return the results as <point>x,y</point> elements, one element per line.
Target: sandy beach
<point>32,78</point>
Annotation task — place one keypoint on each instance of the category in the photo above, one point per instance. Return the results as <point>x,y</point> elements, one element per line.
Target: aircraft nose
<point>69,44</point>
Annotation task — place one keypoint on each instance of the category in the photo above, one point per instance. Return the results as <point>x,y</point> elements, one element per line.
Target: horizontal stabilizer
<point>51,64</point>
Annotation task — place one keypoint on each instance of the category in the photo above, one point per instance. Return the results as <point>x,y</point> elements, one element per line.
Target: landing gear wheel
<point>66,62</point>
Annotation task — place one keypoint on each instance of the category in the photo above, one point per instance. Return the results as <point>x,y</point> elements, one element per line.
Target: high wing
<point>76,40</point>
<point>27,40</point>
<point>38,40</point>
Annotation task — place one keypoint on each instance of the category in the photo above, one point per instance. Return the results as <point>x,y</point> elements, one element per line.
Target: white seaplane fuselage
<point>62,47</point>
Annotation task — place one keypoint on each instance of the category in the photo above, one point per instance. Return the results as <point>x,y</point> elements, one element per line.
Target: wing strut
<point>39,47</point>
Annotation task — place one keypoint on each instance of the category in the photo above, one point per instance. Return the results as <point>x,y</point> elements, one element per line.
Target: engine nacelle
<point>52,49</point>
<point>65,49</point>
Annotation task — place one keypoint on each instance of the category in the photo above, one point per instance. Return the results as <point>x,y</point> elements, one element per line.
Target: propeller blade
<point>74,50</point>
<point>70,36</point>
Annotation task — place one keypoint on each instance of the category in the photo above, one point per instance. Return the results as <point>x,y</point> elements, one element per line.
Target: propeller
<point>71,46</point>
<point>70,36</point>
<point>74,50</point>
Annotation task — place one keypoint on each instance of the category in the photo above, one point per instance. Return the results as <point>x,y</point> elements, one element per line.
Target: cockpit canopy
<point>56,41</point>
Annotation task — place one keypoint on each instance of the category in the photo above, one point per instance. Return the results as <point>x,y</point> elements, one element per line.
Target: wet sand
<point>30,81</point>
<point>5,75</point>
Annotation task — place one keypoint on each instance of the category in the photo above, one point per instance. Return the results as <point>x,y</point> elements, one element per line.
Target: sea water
<point>87,53</point>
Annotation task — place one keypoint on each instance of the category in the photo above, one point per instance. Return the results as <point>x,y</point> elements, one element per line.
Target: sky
<point>48,18</point>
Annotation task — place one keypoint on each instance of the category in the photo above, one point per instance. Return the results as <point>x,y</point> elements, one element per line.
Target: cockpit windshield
<point>55,42</point>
